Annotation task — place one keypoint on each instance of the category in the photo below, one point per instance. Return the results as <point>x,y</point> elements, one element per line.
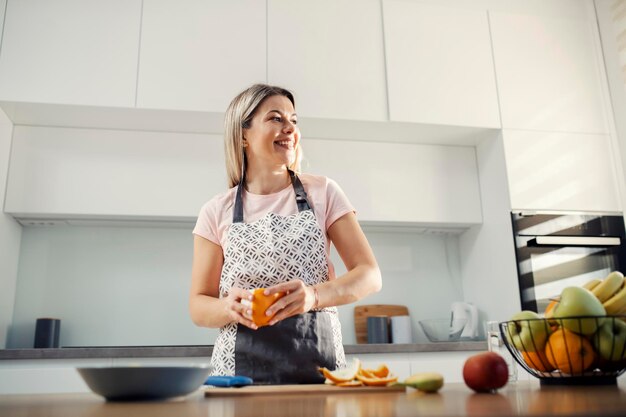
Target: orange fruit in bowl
<point>260,304</point>
<point>569,352</point>
<point>538,361</point>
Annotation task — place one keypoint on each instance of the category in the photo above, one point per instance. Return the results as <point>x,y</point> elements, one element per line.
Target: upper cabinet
<point>560,171</point>
<point>74,173</point>
<point>401,182</point>
<point>70,52</point>
<point>197,54</point>
<point>549,72</point>
<point>439,65</point>
<point>330,53</point>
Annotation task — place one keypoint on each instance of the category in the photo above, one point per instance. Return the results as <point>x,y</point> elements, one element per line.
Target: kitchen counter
<point>94,352</point>
<point>520,399</point>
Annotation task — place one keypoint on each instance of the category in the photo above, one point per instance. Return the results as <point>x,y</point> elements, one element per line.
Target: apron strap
<point>301,197</point>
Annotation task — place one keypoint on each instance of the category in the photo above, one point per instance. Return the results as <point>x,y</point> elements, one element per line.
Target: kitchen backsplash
<point>119,286</point>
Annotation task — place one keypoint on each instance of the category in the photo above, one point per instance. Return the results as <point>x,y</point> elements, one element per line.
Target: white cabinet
<point>197,55</point>
<point>549,73</point>
<point>330,53</point>
<point>439,65</point>
<point>398,182</point>
<point>560,171</point>
<point>73,173</point>
<point>70,52</point>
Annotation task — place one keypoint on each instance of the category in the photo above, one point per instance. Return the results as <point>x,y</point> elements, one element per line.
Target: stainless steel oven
<point>556,250</point>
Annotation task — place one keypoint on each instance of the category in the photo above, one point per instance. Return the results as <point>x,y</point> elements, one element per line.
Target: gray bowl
<point>131,383</point>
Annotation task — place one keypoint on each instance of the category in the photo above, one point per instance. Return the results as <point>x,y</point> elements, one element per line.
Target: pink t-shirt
<point>328,201</point>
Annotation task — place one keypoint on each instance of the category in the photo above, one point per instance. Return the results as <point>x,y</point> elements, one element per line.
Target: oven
<point>555,250</point>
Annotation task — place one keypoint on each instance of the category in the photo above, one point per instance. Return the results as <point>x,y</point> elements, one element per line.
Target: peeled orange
<point>381,372</point>
<point>376,382</point>
<point>344,374</point>
<point>260,303</point>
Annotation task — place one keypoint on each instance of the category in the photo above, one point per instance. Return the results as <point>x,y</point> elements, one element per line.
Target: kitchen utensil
<point>378,329</point>
<point>401,329</point>
<point>443,330</point>
<point>127,383</point>
<point>362,312</point>
<point>228,381</point>
<point>462,310</point>
<point>601,372</point>
<point>301,389</point>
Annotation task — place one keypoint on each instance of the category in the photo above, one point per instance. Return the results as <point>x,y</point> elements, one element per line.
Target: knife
<point>228,381</point>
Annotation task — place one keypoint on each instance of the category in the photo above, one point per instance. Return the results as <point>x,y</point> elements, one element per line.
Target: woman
<point>272,229</point>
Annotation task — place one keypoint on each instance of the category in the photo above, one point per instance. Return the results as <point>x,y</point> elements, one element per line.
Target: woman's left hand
<point>299,298</point>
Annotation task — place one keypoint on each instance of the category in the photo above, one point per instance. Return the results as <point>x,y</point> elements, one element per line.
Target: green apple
<point>528,332</point>
<point>610,340</point>
<point>579,301</point>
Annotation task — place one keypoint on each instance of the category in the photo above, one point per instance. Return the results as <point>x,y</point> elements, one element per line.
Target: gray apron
<point>269,251</point>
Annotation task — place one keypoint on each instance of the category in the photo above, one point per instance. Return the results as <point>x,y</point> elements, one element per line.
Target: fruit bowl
<point>443,330</point>
<point>581,350</point>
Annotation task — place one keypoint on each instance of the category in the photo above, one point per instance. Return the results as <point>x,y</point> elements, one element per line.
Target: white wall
<point>10,235</point>
<point>129,286</point>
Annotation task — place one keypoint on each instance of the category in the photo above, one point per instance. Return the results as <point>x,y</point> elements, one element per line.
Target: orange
<point>549,309</point>
<point>569,352</point>
<point>538,361</point>
<point>260,303</point>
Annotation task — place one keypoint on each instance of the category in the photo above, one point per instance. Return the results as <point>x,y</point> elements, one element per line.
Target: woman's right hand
<point>238,307</point>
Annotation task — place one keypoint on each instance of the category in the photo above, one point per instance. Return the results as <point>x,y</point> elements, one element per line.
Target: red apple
<point>485,372</point>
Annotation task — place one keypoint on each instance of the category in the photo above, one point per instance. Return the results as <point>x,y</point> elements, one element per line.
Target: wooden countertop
<point>520,399</point>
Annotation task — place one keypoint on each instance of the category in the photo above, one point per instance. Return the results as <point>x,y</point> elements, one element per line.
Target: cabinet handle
<point>574,241</point>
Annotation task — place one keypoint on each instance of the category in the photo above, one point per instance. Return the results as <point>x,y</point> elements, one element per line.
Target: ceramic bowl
<point>130,383</point>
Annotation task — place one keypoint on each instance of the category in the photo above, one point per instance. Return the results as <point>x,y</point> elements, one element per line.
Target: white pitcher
<point>468,311</point>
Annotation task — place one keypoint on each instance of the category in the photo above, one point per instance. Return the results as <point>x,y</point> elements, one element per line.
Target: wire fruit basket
<point>581,350</point>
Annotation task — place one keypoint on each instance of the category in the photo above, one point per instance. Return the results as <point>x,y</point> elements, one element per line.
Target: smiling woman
<point>273,229</point>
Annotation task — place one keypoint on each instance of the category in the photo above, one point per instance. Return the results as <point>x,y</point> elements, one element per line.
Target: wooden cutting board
<point>296,389</point>
<point>361,313</point>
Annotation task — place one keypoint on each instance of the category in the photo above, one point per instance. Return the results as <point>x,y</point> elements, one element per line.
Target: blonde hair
<point>238,117</point>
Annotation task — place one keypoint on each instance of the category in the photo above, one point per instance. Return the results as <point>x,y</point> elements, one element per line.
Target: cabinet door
<point>70,52</point>
<point>439,65</point>
<point>548,73</point>
<point>197,54</point>
<point>330,53</point>
<point>560,171</point>
<point>73,173</point>
<point>397,182</point>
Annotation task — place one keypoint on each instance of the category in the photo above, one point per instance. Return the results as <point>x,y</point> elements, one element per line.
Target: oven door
<point>558,250</point>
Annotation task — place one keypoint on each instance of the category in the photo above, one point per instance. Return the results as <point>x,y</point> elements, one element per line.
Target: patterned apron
<point>269,251</point>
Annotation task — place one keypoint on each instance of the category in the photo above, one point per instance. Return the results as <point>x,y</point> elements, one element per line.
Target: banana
<point>592,284</point>
<point>617,303</point>
<point>609,286</point>
<point>425,381</point>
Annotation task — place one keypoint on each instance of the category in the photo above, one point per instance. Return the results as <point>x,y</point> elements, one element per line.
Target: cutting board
<point>296,389</point>
<point>361,313</point>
